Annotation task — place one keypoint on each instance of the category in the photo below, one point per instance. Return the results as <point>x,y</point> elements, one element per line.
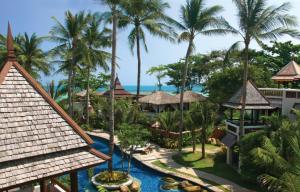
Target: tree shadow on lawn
<point>216,165</point>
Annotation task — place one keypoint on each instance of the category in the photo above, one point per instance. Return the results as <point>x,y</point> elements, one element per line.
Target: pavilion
<point>290,73</point>
<point>256,106</point>
<point>159,101</point>
<point>190,97</point>
<point>119,90</point>
<point>38,140</point>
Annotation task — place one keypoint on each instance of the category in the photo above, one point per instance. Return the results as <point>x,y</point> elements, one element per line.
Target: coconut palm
<point>95,38</point>
<point>68,36</point>
<point>259,22</point>
<point>203,114</point>
<point>146,15</point>
<point>112,16</point>
<point>282,174</point>
<point>2,49</point>
<point>56,92</point>
<point>30,55</point>
<point>196,20</point>
<point>160,72</point>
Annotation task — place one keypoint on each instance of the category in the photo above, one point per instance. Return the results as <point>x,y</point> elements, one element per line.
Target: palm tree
<point>282,174</point>
<point>68,36</point>
<point>93,55</point>
<point>160,72</point>
<point>30,55</point>
<point>2,49</point>
<point>112,16</point>
<point>149,15</point>
<point>258,22</point>
<point>203,114</point>
<point>56,92</point>
<point>197,20</point>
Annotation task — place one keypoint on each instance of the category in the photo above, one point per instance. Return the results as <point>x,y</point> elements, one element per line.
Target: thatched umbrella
<point>190,97</point>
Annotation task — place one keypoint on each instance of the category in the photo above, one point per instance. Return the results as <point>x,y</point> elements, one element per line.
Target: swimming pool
<point>151,179</point>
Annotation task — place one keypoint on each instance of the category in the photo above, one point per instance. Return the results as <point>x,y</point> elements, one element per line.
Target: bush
<point>116,177</point>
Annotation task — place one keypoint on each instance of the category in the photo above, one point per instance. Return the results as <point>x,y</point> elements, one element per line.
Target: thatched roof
<point>83,93</point>
<point>37,138</point>
<point>254,99</point>
<point>159,98</point>
<point>290,72</point>
<point>190,97</point>
<point>119,90</point>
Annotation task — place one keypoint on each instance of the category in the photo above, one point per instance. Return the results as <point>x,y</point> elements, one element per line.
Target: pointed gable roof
<point>254,99</point>
<point>118,90</point>
<point>37,138</point>
<point>289,72</point>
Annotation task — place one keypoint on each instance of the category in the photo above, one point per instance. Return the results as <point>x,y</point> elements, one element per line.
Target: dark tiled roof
<point>37,138</point>
<point>254,99</point>
<point>119,90</point>
<point>229,140</point>
<point>290,72</point>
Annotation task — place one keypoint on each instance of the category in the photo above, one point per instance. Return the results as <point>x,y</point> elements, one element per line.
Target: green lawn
<point>215,165</point>
<point>158,163</point>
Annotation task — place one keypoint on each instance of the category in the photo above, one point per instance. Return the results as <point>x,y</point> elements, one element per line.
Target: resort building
<point>262,102</point>
<point>38,140</point>
<point>256,106</point>
<point>190,97</point>
<point>120,92</point>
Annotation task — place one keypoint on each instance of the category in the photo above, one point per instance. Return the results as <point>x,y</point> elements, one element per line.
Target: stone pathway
<point>165,156</point>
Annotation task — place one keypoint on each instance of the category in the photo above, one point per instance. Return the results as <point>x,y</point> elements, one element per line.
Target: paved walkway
<point>165,156</point>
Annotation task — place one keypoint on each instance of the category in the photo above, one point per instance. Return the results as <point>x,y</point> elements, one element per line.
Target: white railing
<point>280,93</point>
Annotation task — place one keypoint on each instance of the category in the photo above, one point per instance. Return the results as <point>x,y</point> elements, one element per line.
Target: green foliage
<point>279,54</point>
<point>132,135</point>
<point>95,81</point>
<point>101,189</point>
<point>115,177</point>
<point>273,155</point>
<point>159,72</point>
<point>219,91</point>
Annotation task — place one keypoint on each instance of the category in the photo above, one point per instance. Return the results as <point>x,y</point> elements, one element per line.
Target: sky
<point>34,16</point>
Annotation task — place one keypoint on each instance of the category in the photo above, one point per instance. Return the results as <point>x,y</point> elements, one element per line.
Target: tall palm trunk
<point>203,141</point>
<point>138,51</point>
<point>88,97</point>
<point>112,92</point>
<point>244,89</point>
<point>70,92</point>
<point>184,73</point>
<point>194,139</point>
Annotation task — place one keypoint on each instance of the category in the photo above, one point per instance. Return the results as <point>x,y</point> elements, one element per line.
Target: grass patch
<point>215,165</point>
<point>162,165</point>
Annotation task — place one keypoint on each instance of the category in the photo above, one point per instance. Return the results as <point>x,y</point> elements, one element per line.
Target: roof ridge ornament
<point>10,45</point>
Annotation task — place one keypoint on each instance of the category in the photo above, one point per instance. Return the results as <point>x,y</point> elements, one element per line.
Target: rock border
<point>112,187</point>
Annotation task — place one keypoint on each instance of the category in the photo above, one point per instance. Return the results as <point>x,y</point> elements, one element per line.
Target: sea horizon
<point>151,88</point>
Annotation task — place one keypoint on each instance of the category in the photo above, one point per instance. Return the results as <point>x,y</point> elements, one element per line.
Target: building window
<point>290,94</point>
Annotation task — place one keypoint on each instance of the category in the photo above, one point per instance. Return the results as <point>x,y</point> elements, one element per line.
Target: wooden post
<point>43,186</point>
<point>74,181</point>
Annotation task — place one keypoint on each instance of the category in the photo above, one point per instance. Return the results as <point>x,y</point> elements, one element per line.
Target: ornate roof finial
<point>10,45</point>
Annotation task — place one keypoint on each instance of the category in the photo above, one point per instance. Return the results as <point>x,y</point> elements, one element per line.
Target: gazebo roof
<point>254,99</point>
<point>159,98</point>
<point>288,73</point>
<point>37,138</point>
<point>190,97</point>
<point>119,90</point>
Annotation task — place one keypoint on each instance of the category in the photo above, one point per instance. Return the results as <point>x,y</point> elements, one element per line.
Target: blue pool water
<point>151,179</point>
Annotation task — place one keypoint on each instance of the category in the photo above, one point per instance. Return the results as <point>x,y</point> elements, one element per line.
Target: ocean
<point>150,88</point>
